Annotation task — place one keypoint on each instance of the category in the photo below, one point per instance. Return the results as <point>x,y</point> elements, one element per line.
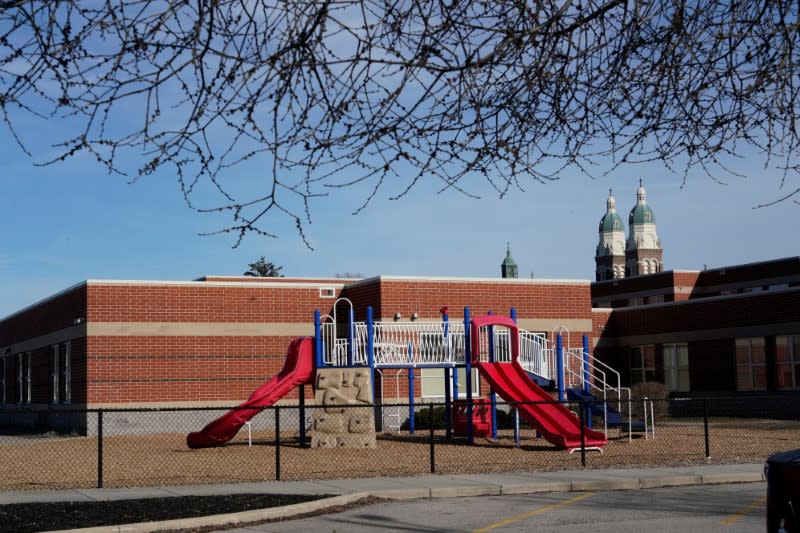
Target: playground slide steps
<point>545,383</point>
<point>614,416</point>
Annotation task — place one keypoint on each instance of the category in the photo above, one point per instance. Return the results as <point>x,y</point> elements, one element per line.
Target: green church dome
<point>641,213</point>
<point>611,221</point>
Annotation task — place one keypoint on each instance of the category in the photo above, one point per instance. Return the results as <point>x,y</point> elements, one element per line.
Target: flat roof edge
<point>45,300</point>
<point>478,280</point>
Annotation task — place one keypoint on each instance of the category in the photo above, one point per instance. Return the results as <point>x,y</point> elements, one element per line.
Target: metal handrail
<point>431,344</point>
<point>599,375</point>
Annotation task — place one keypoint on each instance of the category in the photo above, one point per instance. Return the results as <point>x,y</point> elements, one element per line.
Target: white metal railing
<point>425,344</point>
<point>600,377</point>
<point>407,344</point>
<point>534,355</point>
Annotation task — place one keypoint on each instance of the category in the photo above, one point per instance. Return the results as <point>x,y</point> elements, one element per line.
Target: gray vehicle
<point>783,492</point>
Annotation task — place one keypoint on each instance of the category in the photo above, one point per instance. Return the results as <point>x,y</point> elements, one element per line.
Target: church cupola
<point>508,269</point>
<point>610,253</point>
<point>643,252</point>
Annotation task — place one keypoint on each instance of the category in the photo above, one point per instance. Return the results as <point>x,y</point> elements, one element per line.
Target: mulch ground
<point>164,459</point>
<point>32,517</point>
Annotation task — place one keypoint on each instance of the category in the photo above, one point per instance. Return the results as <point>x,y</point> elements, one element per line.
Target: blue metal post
<point>587,380</point>
<point>560,367</point>
<point>371,350</point>
<point>318,339</point>
<point>350,331</point>
<point>302,416</point>
<point>492,394</point>
<point>448,413</point>
<point>586,375</point>
<point>513,314</point>
<point>468,367</point>
<point>411,400</point>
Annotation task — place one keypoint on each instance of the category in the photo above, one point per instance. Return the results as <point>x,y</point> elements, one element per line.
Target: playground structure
<point>517,364</point>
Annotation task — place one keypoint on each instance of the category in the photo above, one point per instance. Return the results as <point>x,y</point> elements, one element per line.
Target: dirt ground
<point>154,460</point>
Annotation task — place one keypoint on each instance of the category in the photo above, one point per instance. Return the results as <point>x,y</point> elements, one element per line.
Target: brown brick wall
<point>779,268</point>
<point>601,323</point>
<point>164,369</point>
<point>708,314</point>
<point>198,303</point>
<point>364,294</point>
<point>532,300</point>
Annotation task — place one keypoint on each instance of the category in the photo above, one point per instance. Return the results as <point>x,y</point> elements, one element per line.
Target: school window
<point>24,378</point>
<point>637,300</point>
<point>657,299</point>
<point>55,373</point>
<point>643,364</point>
<point>787,362</point>
<point>676,366</point>
<point>433,385</point>
<point>3,393</point>
<point>66,372</point>
<point>20,374</point>
<point>751,364</point>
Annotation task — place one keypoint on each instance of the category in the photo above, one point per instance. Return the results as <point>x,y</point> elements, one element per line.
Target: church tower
<point>508,269</point>
<point>643,253</point>
<point>610,255</point>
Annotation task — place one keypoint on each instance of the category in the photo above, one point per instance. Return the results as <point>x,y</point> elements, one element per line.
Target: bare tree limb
<point>384,95</point>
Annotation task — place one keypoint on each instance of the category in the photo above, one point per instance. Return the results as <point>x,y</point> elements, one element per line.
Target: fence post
<point>411,421</point>
<point>302,414</point>
<point>582,410</point>
<point>99,448</point>
<point>468,371</point>
<point>705,427</point>
<point>433,457</point>
<point>448,406</point>
<point>277,443</point>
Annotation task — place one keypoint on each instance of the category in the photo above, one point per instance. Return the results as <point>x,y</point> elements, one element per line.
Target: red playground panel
<point>481,418</point>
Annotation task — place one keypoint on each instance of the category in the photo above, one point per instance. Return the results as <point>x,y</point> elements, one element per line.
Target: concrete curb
<point>476,489</point>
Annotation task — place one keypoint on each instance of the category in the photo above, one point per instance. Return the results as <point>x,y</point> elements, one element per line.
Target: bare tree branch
<point>383,95</point>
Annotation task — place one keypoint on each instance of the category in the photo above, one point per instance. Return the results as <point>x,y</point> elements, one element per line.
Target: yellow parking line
<point>744,511</point>
<point>529,514</point>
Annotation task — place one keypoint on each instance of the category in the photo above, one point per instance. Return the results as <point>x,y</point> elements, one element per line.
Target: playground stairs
<point>545,383</point>
<point>614,419</point>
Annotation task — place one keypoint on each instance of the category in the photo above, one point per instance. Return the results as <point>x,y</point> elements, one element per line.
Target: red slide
<point>557,424</point>
<point>298,369</point>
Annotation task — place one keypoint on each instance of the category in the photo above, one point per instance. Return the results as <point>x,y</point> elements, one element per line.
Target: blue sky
<point>66,223</point>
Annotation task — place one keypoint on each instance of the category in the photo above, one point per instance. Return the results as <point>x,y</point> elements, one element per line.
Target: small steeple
<point>611,203</point>
<point>508,269</point>
<point>641,196</point>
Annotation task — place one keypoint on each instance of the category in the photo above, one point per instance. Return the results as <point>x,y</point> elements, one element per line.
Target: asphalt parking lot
<point>734,508</point>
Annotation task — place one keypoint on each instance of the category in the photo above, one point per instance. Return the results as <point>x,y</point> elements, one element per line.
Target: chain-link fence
<point>144,447</point>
